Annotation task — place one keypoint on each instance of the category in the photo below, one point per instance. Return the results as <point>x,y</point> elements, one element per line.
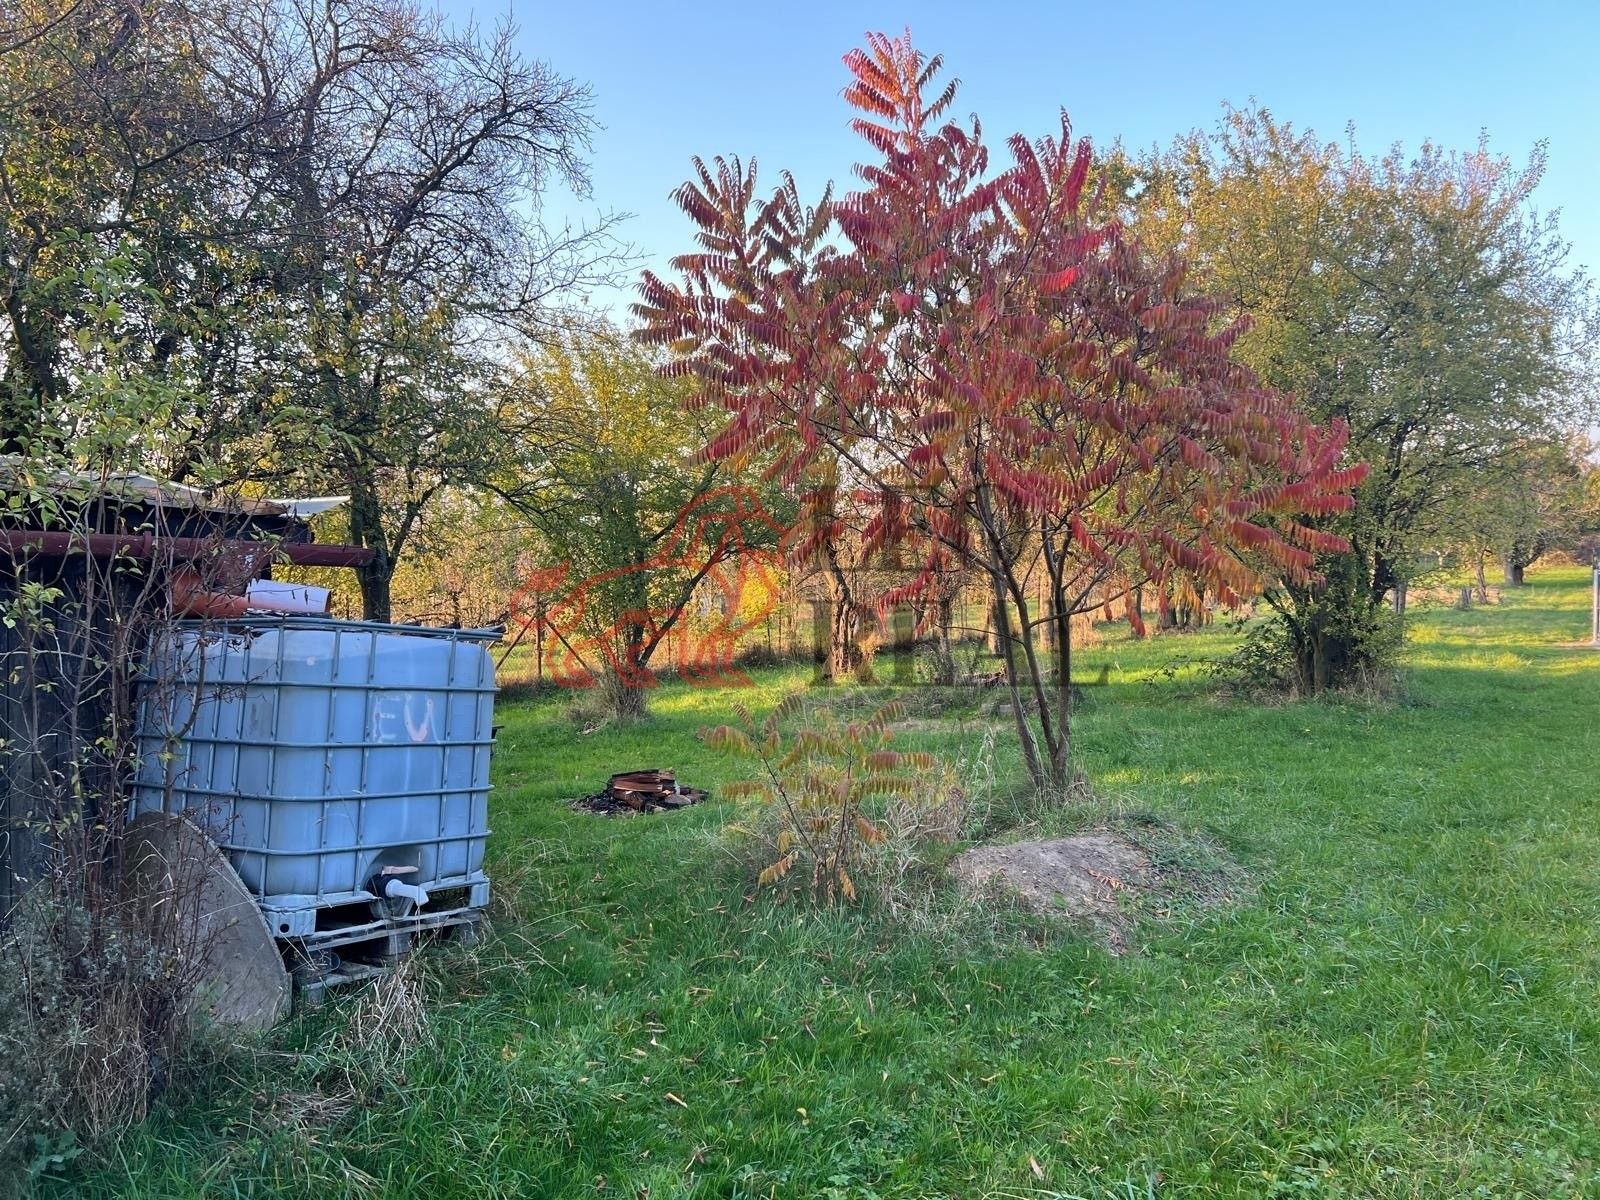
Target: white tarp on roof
<point>311,506</point>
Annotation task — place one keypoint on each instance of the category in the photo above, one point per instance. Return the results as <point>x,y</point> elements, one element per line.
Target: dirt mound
<point>1100,879</point>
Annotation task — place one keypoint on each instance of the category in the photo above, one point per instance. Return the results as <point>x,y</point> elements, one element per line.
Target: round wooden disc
<point>194,898</point>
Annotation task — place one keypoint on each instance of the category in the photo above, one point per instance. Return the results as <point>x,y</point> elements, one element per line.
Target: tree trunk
<point>1060,625</point>
<point>1185,612</point>
<point>944,669</point>
<point>843,658</point>
<point>1319,655</point>
<point>1483,584</point>
<point>1514,573</point>
<point>903,623</point>
<point>1319,664</point>
<point>366,529</point>
<point>844,654</point>
<point>375,599</point>
<point>1008,651</point>
<point>627,702</point>
<point>24,400</point>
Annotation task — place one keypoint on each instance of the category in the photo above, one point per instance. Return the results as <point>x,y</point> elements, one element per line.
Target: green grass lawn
<point>1405,1002</point>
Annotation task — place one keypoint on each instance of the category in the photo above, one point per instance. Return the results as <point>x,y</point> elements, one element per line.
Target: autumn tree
<point>1416,298</point>
<point>630,522</point>
<point>1018,378</point>
<point>471,552</point>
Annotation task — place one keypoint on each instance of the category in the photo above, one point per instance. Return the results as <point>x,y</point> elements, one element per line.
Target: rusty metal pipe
<point>54,544</point>
<point>308,554</point>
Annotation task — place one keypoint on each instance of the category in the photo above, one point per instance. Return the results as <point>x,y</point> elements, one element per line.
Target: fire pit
<point>648,791</point>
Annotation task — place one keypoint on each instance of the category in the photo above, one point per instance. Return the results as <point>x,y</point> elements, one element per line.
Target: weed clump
<point>92,1021</point>
<point>1361,657</point>
<point>834,804</point>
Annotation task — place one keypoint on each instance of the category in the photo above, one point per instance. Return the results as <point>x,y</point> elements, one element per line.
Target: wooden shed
<point>89,568</point>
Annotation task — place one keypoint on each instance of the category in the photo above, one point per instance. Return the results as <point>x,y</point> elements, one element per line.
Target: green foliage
<point>606,467</point>
<point>1536,498</point>
<point>236,248</point>
<point>1336,635</point>
<point>629,520</point>
<point>822,788</point>
<point>1263,663</point>
<point>1417,297</point>
<point>88,303</point>
<point>92,1013</point>
<point>1271,657</point>
<point>469,553</point>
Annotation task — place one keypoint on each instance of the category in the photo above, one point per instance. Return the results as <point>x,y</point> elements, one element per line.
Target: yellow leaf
<point>776,871</point>
<point>869,832</point>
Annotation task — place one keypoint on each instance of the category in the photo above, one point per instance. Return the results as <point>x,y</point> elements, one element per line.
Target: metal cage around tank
<point>341,765</point>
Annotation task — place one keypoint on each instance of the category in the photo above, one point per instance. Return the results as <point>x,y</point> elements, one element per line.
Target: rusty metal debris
<point>644,791</point>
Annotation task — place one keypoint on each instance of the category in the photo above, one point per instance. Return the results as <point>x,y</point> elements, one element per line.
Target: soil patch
<point>1102,879</point>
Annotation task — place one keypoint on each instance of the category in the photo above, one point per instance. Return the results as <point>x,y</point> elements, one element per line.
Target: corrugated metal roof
<point>18,473</point>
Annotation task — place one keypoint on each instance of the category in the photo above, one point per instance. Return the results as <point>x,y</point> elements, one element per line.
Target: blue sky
<point>675,80</point>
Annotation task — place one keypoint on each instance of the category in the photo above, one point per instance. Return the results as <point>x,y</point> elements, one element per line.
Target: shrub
<point>96,980</point>
<point>757,656</point>
<point>834,799</point>
<point>92,1017</point>
<point>1279,655</point>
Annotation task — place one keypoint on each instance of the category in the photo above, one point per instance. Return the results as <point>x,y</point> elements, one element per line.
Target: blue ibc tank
<point>329,759</point>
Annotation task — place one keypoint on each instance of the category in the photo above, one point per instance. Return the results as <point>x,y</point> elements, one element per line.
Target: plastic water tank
<point>324,756</point>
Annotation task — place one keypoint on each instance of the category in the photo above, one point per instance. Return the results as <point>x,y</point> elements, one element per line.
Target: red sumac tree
<point>1028,388</point>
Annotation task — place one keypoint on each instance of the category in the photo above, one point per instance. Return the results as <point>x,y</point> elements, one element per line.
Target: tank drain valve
<point>396,888</point>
